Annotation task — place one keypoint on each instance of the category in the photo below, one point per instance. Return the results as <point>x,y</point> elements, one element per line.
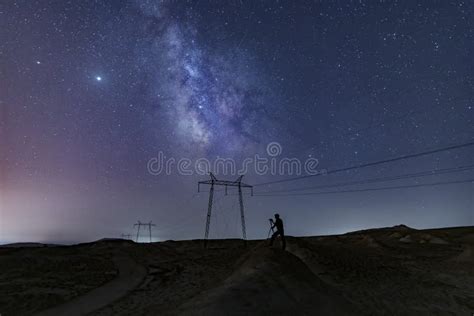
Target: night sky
<point>92,91</point>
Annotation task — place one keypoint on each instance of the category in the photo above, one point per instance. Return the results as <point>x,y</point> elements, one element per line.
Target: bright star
<point>98,78</point>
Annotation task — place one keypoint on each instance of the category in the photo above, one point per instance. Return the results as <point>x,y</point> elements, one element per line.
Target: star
<point>98,78</point>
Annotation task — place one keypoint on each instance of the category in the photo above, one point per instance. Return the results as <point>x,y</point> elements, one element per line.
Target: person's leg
<point>283,241</point>
<point>273,238</point>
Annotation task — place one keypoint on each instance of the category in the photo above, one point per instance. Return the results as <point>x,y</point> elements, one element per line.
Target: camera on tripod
<point>271,227</point>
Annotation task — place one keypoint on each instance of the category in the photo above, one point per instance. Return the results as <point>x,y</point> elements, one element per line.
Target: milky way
<point>210,96</point>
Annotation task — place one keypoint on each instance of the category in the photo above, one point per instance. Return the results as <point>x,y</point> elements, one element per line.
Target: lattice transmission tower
<point>140,224</point>
<point>215,182</point>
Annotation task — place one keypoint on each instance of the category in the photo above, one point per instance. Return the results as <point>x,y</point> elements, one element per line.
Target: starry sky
<point>90,91</point>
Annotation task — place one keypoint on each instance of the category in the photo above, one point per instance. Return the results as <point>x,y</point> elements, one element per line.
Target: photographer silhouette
<point>278,224</point>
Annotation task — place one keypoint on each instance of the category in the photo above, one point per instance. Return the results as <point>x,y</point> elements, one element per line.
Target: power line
<point>380,179</point>
<point>371,189</point>
<point>374,163</point>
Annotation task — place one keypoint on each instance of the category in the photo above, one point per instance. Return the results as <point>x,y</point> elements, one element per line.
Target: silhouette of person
<point>278,224</point>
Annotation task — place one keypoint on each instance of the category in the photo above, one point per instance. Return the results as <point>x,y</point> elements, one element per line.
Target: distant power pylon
<point>126,236</point>
<point>237,183</point>
<point>140,224</point>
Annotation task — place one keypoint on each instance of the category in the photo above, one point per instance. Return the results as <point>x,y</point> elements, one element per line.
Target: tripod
<point>271,228</point>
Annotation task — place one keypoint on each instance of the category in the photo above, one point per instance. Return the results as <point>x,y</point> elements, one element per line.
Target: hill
<point>395,270</point>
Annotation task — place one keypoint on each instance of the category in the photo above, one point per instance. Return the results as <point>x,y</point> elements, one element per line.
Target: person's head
<point>277,216</point>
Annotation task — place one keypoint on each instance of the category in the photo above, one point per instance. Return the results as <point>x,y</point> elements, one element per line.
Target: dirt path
<point>130,276</point>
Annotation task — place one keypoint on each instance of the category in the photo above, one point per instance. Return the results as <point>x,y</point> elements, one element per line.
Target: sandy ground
<point>130,275</point>
<point>391,271</point>
<point>33,279</point>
